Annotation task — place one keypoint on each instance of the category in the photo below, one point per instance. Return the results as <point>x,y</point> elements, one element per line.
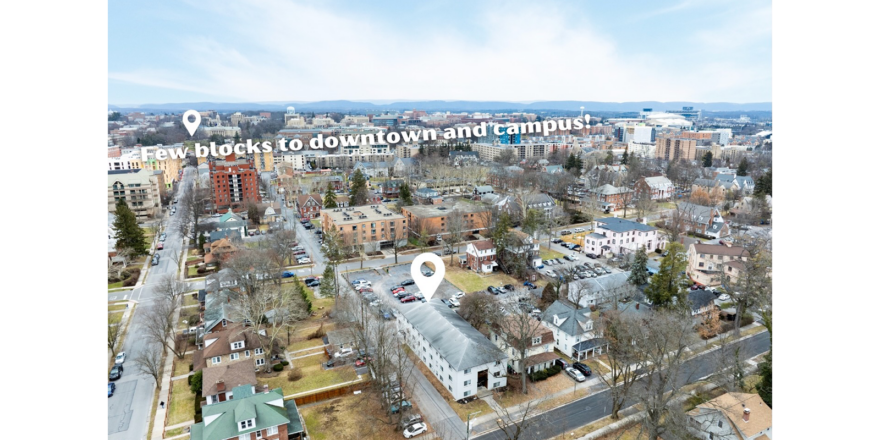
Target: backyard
<point>181,407</point>
<point>313,376</point>
<point>468,281</point>
<point>353,416</point>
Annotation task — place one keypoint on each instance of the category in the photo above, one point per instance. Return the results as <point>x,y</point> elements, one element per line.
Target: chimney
<point>221,386</point>
<point>266,389</point>
<point>746,415</point>
<point>637,306</point>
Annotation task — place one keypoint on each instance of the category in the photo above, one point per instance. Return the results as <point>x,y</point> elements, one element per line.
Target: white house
<point>539,353</point>
<point>616,235</point>
<point>659,187</point>
<point>459,356</point>
<point>573,330</point>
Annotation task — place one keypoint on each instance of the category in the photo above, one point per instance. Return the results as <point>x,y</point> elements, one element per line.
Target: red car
<point>359,363</point>
<point>365,290</point>
<point>408,298</point>
<point>398,290</point>
<point>160,246</point>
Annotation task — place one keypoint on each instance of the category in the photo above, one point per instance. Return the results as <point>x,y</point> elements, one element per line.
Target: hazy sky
<point>284,50</point>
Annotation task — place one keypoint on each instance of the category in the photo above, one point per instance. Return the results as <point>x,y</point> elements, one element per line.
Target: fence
<point>323,395</point>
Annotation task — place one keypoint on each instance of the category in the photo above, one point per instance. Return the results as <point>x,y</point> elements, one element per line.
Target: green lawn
<point>181,408</point>
<point>468,281</point>
<point>547,254</point>
<point>174,432</point>
<point>188,300</point>
<point>314,376</point>
<point>117,307</point>
<point>181,366</point>
<point>192,271</point>
<point>114,285</point>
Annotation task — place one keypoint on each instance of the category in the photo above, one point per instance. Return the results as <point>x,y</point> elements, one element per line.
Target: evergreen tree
<point>358,189</point>
<point>743,169</point>
<point>707,159</point>
<point>609,159</point>
<point>625,158</point>
<point>570,162</point>
<point>128,234</point>
<point>202,241</point>
<point>330,197</point>
<point>405,197</point>
<point>765,386</point>
<point>328,282</point>
<point>639,273</point>
<point>669,281</point>
<point>764,184</point>
<point>236,139</point>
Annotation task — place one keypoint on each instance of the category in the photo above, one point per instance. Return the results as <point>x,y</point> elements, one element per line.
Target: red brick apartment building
<point>234,181</point>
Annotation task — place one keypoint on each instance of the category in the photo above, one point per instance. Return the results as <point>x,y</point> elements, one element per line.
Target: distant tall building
<point>675,148</point>
<point>234,181</point>
<point>505,138</point>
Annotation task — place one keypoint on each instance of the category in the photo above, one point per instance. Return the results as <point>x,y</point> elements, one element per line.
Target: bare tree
<point>746,278</point>
<point>281,244</point>
<point>519,330</point>
<point>515,424</point>
<point>149,361</point>
<point>645,206</point>
<point>478,308</point>
<point>455,225</point>
<point>192,206</point>
<point>114,337</point>
<point>159,327</point>
<point>624,358</point>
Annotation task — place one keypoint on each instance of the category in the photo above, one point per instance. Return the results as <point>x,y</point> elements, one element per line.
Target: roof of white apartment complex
<point>358,214</point>
<point>459,343</point>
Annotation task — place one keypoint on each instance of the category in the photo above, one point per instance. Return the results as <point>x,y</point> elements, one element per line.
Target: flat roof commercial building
<point>374,227</point>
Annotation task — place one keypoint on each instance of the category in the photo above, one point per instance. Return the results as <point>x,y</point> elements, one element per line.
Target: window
<point>244,437</point>
<point>467,393</point>
<point>468,371</point>
<point>259,434</point>
<point>238,345</point>
<point>496,384</point>
<point>720,424</point>
<point>233,357</point>
<point>467,382</point>
<point>258,351</point>
<point>247,353</point>
<point>223,323</point>
<point>261,362</point>
<point>450,387</point>
<point>536,341</point>
<point>246,424</point>
<point>272,430</point>
<point>450,377</point>
<point>215,360</point>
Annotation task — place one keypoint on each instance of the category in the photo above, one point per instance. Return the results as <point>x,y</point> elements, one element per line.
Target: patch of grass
<point>115,285</point>
<point>751,381</point>
<point>469,282</point>
<point>173,432</point>
<point>314,376</point>
<point>114,318</point>
<point>192,271</point>
<point>181,366</point>
<point>117,307</point>
<point>180,408</point>
<point>349,417</point>
<point>153,408</point>
<point>548,254</point>
<point>188,300</point>
<point>586,429</point>
<point>299,338</point>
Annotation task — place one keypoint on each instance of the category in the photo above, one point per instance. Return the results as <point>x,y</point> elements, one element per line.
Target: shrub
<point>277,367</point>
<point>285,363</point>
<point>554,370</point>
<point>130,281</point>
<point>195,383</point>
<point>294,374</point>
<point>319,333</point>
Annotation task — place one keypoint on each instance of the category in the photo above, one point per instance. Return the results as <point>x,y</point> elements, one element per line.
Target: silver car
<point>575,374</point>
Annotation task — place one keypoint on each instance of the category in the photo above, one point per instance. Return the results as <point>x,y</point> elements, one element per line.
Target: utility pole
<point>468,426</point>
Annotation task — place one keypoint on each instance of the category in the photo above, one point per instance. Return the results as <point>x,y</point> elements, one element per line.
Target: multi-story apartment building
<point>234,182</point>
<point>675,148</point>
<point>707,262</point>
<point>264,161</point>
<point>140,189</point>
<point>436,220</point>
<point>616,235</point>
<point>459,356</point>
<point>374,227</point>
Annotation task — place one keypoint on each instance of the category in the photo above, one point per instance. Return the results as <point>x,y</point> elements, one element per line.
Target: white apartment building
<point>615,235</point>
<point>459,356</point>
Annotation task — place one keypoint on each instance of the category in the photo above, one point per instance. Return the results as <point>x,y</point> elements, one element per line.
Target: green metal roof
<point>295,424</point>
<point>230,412</point>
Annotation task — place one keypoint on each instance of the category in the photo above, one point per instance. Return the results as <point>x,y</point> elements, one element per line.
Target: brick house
<point>309,205</point>
<point>250,416</point>
<point>219,382</point>
<point>390,189</point>
<point>706,262</point>
<point>481,256</point>
<point>705,220</point>
<point>659,187</point>
<point>539,352</point>
<point>234,343</point>
<point>611,197</point>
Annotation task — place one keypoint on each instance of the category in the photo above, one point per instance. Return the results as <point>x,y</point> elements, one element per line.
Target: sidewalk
<point>165,392</point>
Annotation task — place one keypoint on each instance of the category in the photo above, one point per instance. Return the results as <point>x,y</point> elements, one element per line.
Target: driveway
<point>434,407</point>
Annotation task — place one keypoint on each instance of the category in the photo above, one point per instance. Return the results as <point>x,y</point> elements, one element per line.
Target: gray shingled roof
<point>455,339</point>
<point>218,307</point>
<point>570,315</point>
<point>620,225</point>
<point>700,298</point>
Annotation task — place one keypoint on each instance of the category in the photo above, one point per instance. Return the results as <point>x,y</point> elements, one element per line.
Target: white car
<point>414,430</point>
<point>454,302</point>
<point>575,374</point>
<point>305,260</point>
<point>578,229</point>
<point>574,257</point>
<point>724,297</point>
<point>120,358</point>
<point>458,295</point>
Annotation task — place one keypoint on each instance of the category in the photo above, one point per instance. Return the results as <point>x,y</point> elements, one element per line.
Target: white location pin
<point>191,127</point>
<point>428,285</point>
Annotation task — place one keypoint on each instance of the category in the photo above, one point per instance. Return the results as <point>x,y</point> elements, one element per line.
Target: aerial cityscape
<point>437,267</point>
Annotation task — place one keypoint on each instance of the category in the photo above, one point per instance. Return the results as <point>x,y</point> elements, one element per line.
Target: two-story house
<point>229,345</point>
<point>744,183</point>
<point>657,187</point>
<point>732,416</point>
<point>461,358</point>
<point>250,416</point>
<point>480,191</point>
<point>616,235</point>
<point>704,220</point>
<point>707,262</point>
<point>217,315</point>
<point>573,330</point>
<point>390,189</point>
<point>539,353</point>
<point>701,302</point>
<point>611,197</point>
<point>428,196</point>
<point>309,205</point>
<point>219,382</point>
<point>527,245</point>
<point>481,256</point>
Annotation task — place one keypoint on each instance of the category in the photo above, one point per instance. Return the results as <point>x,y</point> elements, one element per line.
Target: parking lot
<point>382,283</point>
<point>581,259</point>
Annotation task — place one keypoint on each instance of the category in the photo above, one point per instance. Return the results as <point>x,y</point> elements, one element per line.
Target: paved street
<point>129,408</point>
<point>592,408</point>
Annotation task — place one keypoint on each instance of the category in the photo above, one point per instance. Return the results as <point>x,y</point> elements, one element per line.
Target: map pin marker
<point>191,127</point>
<point>427,285</point>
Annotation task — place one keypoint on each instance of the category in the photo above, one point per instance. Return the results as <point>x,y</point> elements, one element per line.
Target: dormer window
<point>245,424</point>
<point>238,345</point>
<point>223,323</point>
<point>536,341</point>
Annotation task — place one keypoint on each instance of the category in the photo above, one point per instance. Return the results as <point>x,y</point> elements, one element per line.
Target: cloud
<point>278,50</point>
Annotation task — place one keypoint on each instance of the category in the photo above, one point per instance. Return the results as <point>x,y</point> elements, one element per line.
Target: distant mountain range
<point>451,106</point>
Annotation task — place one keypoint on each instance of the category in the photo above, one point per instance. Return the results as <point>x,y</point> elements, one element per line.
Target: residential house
<point>218,311</point>
<point>706,262</point>
<point>250,416</point>
<point>703,220</point>
<point>527,246</point>
<point>428,196</point>
<point>224,279</point>
<point>611,198</point>
<point>594,291</point>
<point>501,177</point>
<point>219,382</point>
<point>403,166</point>
<point>701,302</point>
<point>480,191</point>
<point>342,201</point>
<point>616,235</point>
<point>481,256</point>
<point>573,330</point>
<point>271,214</point>
<point>658,187</point>
<point>553,169</point>
<point>390,189</point>
<point>309,205</point>
<point>461,358</point>
<point>340,341</point>
<point>539,353</point>
<point>732,416</point>
<point>372,169</point>
<point>235,342</point>
<point>745,183</point>
<point>219,250</point>
<point>233,234</point>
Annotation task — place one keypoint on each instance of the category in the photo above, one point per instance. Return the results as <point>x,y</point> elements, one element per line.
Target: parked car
<point>561,362</point>
<point>116,372</point>
<point>415,430</point>
<point>509,288</point>
<point>162,237</point>
<point>120,358</point>
<point>397,289</point>
<point>403,405</point>
<point>458,295</point>
<point>724,297</point>
<point>407,283</point>
<point>494,290</point>
<point>287,274</point>
<point>584,369</point>
<point>568,257</point>
<point>313,283</point>
<point>576,248</point>
<point>578,229</point>
<point>111,387</point>
<point>530,285</point>
<point>575,374</point>
<point>365,290</point>
<point>548,263</point>
<point>303,260</point>
<point>155,260</point>
<point>540,266</point>
<point>359,363</point>
<point>565,233</point>
<point>593,256</point>
<point>160,246</point>
<point>446,302</point>
<point>408,298</point>
<point>428,272</point>
<point>410,419</point>
<point>556,240</point>
<point>454,302</point>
